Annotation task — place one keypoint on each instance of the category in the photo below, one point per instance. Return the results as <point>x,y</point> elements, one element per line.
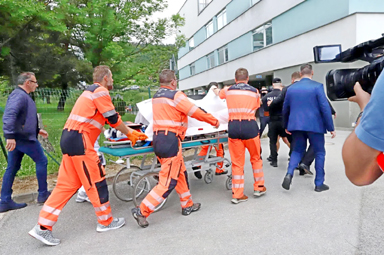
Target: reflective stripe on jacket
<point>91,111</point>
<point>242,100</point>
<point>171,109</point>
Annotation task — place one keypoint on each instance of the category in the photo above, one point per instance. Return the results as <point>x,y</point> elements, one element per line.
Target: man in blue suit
<point>307,116</point>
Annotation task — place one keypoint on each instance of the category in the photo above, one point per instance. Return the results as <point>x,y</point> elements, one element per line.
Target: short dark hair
<point>306,69</point>
<point>295,75</point>
<point>241,74</point>
<point>166,76</point>
<point>213,84</point>
<point>99,72</point>
<point>24,77</point>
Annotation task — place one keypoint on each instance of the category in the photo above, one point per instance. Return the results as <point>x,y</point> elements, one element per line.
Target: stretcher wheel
<point>124,182</point>
<point>228,183</point>
<point>208,177</point>
<point>143,186</point>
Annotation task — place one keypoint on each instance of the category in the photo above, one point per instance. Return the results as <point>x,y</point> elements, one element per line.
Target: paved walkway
<point>344,220</point>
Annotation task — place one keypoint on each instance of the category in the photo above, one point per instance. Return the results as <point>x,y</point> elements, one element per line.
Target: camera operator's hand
<point>361,98</point>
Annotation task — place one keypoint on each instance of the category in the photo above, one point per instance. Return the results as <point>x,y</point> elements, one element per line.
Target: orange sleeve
<point>188,108</point>
<point>223,93</point>
<point>104,105</point>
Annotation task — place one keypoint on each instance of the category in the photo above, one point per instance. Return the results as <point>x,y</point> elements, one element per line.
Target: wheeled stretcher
<point>133,183</point>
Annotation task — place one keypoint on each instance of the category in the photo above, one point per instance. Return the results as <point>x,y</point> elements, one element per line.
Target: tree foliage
<point>62,40</point>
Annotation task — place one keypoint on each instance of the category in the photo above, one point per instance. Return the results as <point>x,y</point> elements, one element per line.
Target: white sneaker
<point>44,236</point>
<point>82,197</point>
<point>115,224</point>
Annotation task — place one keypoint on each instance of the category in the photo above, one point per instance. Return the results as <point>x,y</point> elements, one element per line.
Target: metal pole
<point>3,149</point>
<point>149,91</point>
<point>51,157</point>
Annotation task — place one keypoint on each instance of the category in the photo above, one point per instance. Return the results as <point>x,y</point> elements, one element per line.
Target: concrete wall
<point>366,6</point>
<point>308,15</point>
<point>241,46</point>
<point>256,16</point>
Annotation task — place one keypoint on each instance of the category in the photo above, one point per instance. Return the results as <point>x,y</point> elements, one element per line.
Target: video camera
<point>340,82</point>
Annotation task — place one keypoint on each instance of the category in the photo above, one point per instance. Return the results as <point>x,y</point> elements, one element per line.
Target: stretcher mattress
<point>129,151</point>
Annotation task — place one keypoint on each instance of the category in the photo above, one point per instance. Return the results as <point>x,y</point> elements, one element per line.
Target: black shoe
<point>10,205</point>
<point>321,188</point>
<point>305,168</point>
<point>274,163</point>
<point>269,158</point>
<point>302,172</point>
<point>187,211</point>
<point>287,181</point>
<point>41,198</point>
<point>198,175</point>
<point>140,219</point>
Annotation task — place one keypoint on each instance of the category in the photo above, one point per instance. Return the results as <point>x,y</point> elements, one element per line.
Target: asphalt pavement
<point>344,220</point>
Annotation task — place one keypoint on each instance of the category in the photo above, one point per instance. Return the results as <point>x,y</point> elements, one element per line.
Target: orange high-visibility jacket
<point>242,101</point>
<point>171,109</point>
<point>91,111</point>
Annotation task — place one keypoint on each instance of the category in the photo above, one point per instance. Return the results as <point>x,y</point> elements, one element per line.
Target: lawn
<point>53,122</point>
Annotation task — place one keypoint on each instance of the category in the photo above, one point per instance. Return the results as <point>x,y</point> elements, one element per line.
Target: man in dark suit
<point>307,116</point>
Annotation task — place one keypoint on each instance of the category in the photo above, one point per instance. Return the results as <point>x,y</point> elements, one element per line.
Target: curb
<point>32,197</point>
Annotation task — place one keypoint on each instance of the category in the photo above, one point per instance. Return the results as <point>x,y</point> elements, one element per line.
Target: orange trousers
<point>237,150</point>
<point>74,172</point>
<point>173,175</point>
<point>219,153</point>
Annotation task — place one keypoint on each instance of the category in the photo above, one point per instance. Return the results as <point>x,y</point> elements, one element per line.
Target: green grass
<point>53,122</point>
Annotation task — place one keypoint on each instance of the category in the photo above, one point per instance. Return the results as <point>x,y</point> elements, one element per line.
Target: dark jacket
<point>306,108</point>
<point>275,114</point>
<point>20,117</point>
<point>278,102</point>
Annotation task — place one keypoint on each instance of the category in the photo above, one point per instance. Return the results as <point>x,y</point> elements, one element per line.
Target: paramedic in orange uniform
<point>171,109</point>
<point>243,100</point>
<point>219,153</point>
<point>80,165</point>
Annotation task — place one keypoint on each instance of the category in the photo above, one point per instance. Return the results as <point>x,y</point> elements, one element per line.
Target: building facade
<point>272,38</point>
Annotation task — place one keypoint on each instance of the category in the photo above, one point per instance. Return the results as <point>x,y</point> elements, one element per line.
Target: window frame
<point>205,4</point>
<point>263,28</point>
<point>210,57</point>
<point>226,54</point>
<point>210,23</point>
<point>192,67</point>
<point>189,43</point>
<point>222,14</point>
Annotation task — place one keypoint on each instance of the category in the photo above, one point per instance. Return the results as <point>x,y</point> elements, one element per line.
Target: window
<point>258,38</point>
<point>209,29</point>
<point>192,69</point>
<point>211,60</point>
<point>262,36</point>
<point>254,2</point>
<point>191,43</point>
<point>268,33</point>
<point>203,4</point>
<point>223,55</point>
<point>222,19</point>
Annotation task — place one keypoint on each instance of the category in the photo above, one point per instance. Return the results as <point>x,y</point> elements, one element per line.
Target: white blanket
<point>210,103</point>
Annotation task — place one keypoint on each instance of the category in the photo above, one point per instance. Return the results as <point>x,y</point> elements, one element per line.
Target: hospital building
<point>272,38</point>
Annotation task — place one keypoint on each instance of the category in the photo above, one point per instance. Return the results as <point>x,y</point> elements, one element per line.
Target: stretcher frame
<point>132,181</point>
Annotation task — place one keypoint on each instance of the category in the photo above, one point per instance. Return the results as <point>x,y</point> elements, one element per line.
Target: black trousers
<point>308,157</point>
<point>276,129</point>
